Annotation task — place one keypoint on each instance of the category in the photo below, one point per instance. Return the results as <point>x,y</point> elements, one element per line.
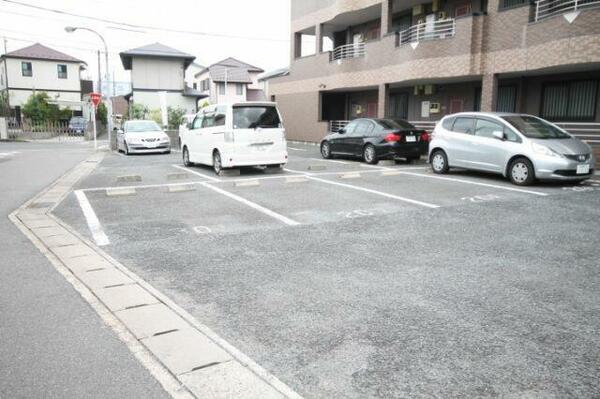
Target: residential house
<point>190,74</point>
<point>420,60</point>
<point>38,68</point>
<point>265,78</point>
<point>156,71</point>
<point>229,81</point>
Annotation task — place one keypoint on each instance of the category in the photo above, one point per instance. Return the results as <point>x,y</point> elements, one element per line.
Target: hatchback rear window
<point>252,117</point>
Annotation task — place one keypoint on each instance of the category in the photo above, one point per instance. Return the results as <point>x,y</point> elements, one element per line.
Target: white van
<point>236,135</point>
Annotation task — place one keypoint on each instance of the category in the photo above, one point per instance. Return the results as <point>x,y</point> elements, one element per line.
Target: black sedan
<point>375,139</point>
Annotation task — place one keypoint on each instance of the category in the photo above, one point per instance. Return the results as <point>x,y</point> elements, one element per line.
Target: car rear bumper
<point>402,150</point>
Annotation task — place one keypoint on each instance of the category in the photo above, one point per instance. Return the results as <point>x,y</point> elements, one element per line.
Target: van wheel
<point>521,172</point>
<point>186,157</point>
<point>439,162</point>
<point>217,165</point>
<point>126,149</point>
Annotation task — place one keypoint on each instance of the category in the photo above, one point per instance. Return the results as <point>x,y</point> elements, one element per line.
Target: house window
<point>221,88</point>
<point>239,89</point>
<point>62,71</point>
<point>26,69</point>
<point>195,86</point>
<point>462,10</point>
<point>570,101</point>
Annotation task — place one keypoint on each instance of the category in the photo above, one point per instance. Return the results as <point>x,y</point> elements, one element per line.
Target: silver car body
<point>553,159</point>
<point>146,140</point>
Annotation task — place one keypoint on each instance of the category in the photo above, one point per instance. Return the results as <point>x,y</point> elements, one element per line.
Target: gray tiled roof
<point>156,50</point>
<point>38,51</point>
<point>230,74</point>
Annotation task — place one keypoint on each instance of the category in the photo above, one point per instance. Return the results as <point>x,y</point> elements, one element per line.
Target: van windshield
<point>252,117</point>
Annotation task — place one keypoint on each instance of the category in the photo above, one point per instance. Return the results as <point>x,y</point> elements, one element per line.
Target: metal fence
<point>440,29</point>
<point>346,51</point>
<point>549,8</point>
<point>46,130</point>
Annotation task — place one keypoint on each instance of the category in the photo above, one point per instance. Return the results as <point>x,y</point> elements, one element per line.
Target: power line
<point>130,25</point>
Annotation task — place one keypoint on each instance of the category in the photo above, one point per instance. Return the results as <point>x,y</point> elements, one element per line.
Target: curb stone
<point>163,350</point>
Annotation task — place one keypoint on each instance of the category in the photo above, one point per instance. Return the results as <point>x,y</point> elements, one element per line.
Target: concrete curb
<point>186,357</point>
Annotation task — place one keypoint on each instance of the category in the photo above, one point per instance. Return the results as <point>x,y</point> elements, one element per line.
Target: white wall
<point>157,74</point>
<point>45,75</point>
<point>152,100</point>
<point>2,76</point>
<point>20,97</point>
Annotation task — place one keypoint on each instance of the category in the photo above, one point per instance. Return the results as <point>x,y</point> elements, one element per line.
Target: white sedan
<point>139,137</point>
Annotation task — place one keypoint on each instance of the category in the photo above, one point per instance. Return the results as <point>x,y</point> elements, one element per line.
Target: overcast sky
<point>266,20</point>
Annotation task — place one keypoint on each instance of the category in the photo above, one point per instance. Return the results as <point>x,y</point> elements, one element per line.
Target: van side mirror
<point>120,131</point>
<point>498,135</point>
<point>188,126</point>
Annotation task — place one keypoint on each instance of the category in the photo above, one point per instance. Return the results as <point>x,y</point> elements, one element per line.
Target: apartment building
<point>38,68</point>
<point>230,80</point>
<point>419,61</point>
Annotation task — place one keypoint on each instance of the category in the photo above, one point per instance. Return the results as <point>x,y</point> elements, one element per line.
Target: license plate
<point>411,139</point>
<point>583,169</point>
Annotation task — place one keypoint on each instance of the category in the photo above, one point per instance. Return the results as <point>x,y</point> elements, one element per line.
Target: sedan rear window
<point>252,117</point>
<point>535,128</point>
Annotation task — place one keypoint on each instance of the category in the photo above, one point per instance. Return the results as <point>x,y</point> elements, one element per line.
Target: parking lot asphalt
<point>347,280</point>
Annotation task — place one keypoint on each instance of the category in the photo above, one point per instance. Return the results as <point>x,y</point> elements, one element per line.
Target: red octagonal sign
<point>95,97</point>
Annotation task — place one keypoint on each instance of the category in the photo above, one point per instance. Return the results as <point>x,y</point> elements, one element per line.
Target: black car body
<point>375,139</point>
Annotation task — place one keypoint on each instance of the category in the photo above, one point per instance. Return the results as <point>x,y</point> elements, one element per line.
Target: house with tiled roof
<point>230,80</point>
<point>38,68</point>
<point>157,72</point>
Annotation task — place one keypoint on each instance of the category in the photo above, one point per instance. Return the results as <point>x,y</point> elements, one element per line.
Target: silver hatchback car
<point>521,147</point>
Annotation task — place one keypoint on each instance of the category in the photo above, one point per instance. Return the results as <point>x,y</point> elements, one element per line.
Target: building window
<point>570,101</point>
<point>62,71</point>
<point>26,69</point>
<point>507,99</point>
<point>195,86</point>
<point>239,89</point>
<point>221,87</point>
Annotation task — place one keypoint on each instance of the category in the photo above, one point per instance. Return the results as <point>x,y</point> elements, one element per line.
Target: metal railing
<point>334,126</point>
<point>549,8</point>
<point>346,51</point>
<point>440,29</point>
<point>586,131</point>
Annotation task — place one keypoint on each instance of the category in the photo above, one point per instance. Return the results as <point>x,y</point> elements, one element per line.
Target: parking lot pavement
<point>359,281</point>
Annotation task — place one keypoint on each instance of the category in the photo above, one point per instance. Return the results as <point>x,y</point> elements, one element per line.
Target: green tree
<point>138,111</point>
<point>175,115</point>
<point>38,109</point>
<point>102,113</point>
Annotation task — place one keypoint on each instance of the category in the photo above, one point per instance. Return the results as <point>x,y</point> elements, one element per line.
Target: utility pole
<point>6,78</point>
<point>99,75</point>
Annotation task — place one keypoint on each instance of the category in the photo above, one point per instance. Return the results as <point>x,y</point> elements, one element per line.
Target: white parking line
<point>196,173</point>
<point>92,189</point>
<point>253,205</point>
<point>331,160</point>
<point>367,190</point>
<point>296,149</point>
<point>519,190</point>
<point>91,219</point>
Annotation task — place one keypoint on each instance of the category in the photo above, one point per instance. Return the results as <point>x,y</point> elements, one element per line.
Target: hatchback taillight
<point>424,136</point>
<point>393,137</point>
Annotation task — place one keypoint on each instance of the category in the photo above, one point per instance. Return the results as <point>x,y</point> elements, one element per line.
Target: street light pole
<point>109,122</point>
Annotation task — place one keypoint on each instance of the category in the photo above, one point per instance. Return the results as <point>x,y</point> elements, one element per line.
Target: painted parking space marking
<point>92,220</point>
<point>296,149</point>
<point>196,173</point>
<point>376,192</point>
<point>453,179</point>
<point>252,205</point>
<point>332,161</point>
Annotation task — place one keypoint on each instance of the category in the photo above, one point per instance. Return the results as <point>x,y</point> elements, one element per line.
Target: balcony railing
<point>440,29</point>
<point>549,8</point>
<point>346,51</point>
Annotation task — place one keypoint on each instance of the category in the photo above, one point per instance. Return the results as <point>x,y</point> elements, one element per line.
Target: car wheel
<point>217,165</point>
<point>186,157</point>
<point>126,149</point>
<point>369,154</point>
<point>326,150</point>
<point>521,172</point>
<point>439,162</point>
